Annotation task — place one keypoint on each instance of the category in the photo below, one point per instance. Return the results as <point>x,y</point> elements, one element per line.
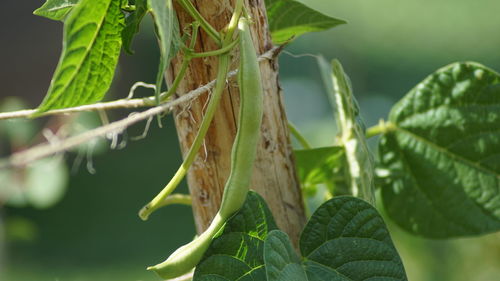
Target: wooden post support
<point>274,174</point>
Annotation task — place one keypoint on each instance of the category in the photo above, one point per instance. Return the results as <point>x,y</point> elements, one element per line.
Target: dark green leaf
<point>132,23</point>
<point>257,274</point>
<point>351,130</point>
<point>91,46</point>
<point>346,239</point>
<point>281,261</point>
<point>254,218</point>
<point>237,254</point>
<point>225,266</point>
<point>55,9</point>
<point>442,147</point>
<point>289,19</point>
<point>163,15</point>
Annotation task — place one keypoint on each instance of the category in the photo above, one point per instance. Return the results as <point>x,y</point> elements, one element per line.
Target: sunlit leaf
<point>289,19</point>
<point>56,9</point>
<point>351,130</point>
<point>91,46</point>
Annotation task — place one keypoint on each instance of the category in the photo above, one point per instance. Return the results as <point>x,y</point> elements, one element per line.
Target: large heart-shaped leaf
<point>442,147</point>
<point>56,9</point>
<point>346,239</point>
<point>289,19</point>
<point>237,254</point>
<point>91,46</point>
<point>351,130</point>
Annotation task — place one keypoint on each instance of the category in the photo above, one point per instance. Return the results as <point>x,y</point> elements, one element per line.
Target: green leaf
<point>281,261</point>
<point>317,165</point>
<point>55,9</point>
<point>351,130</point>
<point>237,254</point>
<point>346,239</point>
<point>163,16</point>
<point>254,218</point>
<point>132,22</point>
<point>289,19</point>
<point>442,148</point>
<point>91,46</point>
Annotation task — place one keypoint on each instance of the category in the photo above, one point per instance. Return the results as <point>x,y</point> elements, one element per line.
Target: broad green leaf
<point>56,9</point>
<point>237,254</point>
<point>289,19</point>
<point>281,261</point>
<point>346,239</point>
<point>317,165</point>
<point>351,130</point>
<point>91,46</point>
<point>442,148</point>
<point>163,16</point>
<point>132,22</point>
<point>322,166</point>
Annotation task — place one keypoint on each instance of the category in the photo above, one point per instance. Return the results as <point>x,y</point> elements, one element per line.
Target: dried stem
<point>37,152</point>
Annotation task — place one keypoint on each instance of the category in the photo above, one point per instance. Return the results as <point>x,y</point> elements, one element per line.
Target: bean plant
<point>437,170</point>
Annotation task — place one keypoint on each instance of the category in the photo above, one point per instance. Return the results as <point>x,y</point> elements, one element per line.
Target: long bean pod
<point>242,160</point>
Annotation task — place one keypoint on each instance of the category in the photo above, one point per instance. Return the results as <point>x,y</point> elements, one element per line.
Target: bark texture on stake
<point>274,176</point>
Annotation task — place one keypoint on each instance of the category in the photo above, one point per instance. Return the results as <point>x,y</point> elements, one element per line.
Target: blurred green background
<point>93,232</point>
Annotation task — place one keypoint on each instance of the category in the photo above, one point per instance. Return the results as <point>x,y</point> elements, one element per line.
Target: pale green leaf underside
<point>443,150</point>
<point>351,130</point>
<point>91,46</point>
<point>289,19</point>
<point>55,9</point>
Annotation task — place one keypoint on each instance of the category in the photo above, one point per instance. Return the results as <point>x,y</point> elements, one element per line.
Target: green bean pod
<point>242,160</point>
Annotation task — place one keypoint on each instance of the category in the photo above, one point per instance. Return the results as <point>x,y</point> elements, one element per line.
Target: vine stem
<point>184,66</point>
<point>300,138</point>
<point>32,154</point>
<point>193,12</point>
<point>223,68</point>
<point>181,199</point>
<point>198,141</point>
<point>381,128</point>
